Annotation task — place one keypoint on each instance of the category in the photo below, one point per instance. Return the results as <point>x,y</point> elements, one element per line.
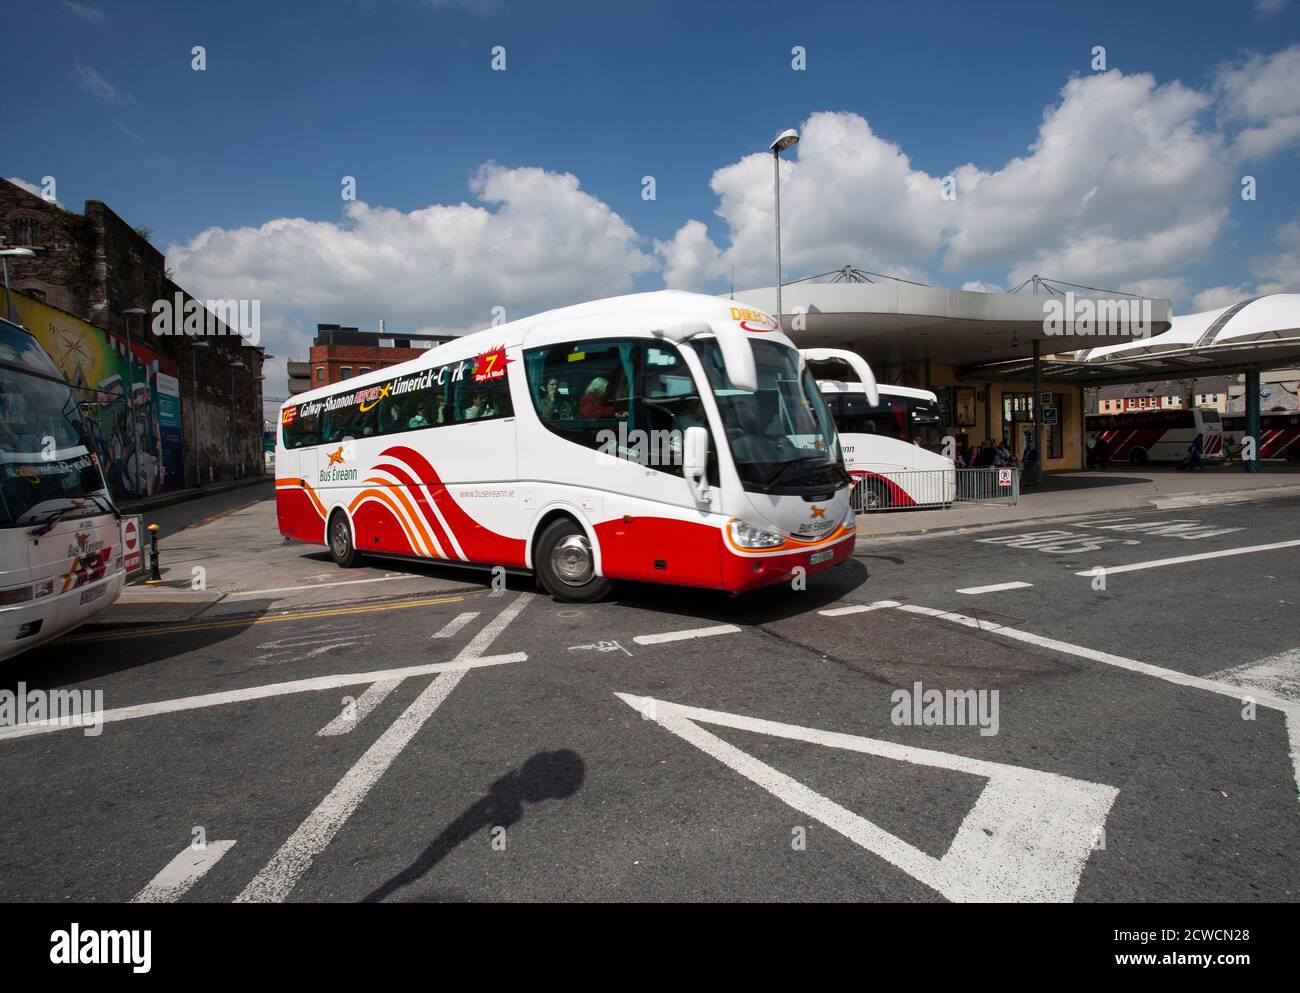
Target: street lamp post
<point>786,139</point>
<point>19,253</point>
<point>130,396</point>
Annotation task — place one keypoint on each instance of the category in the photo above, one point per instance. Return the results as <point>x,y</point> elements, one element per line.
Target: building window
<point>25,231</point>
<point>363,370</point>
<point>320,374</point>
<point>345,372</point>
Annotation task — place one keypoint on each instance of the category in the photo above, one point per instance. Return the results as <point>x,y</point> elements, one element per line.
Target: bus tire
<point>876,496</point>
<point>1138,456</point>
<point>343,549</point>
<point>566,565</point>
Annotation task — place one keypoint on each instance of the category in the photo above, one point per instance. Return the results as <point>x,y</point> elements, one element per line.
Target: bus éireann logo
<point>816,512</point>
<point>336,456</point>
<point>491,365</point>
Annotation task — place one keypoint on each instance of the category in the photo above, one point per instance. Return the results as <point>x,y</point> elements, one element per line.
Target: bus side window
<point>591,393</point>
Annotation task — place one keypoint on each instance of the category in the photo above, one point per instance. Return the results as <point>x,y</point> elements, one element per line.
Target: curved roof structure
<point>1261,332</point>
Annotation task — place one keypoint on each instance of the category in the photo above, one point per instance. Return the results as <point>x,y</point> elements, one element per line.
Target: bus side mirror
<point>695,460</point>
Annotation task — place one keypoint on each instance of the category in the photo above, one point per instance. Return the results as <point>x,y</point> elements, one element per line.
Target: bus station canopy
<point>989,336</point>
<point>892,323</point>
<point>1261,332</point>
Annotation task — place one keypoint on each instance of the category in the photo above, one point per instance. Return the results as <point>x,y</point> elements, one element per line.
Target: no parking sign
<point>1004,477</point>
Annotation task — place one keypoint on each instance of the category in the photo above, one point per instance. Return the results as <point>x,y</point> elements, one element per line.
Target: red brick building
<point>339,353</point>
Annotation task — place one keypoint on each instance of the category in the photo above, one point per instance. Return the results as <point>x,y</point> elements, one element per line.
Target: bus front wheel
<point>342,550</point>
<point>566,564</point>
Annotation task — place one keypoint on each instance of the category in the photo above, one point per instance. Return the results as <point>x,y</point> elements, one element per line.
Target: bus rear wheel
<point>342,550</point>
<point>1138,456</point>
<point>566,564</point>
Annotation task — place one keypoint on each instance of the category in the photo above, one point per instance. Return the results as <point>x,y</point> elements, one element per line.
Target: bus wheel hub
<point>571,560</point>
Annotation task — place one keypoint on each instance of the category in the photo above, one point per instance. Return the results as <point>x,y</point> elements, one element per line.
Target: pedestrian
<point>1195,453</point>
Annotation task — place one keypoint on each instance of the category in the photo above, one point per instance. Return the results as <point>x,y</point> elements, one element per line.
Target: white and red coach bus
<point>1157,435</point>
<point>61,538</point>
<point>893,447</point>
<point>664,437</point>
<point>1279,435</point>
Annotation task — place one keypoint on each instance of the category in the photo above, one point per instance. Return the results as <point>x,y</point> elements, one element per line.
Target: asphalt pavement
<point>1108,710</point>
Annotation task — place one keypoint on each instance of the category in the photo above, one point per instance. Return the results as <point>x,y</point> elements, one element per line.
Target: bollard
<point>155,577</point>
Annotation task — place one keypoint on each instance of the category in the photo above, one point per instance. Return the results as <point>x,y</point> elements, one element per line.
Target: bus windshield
<point>46,465</point>
<point>781,437</point>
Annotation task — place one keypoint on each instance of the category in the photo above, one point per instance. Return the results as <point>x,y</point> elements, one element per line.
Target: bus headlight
<point>44,588</point>
<point>747,536</point>
<point>19,594</point>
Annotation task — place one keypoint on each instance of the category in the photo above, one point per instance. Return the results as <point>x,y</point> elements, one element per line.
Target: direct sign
<point>1049,415</point>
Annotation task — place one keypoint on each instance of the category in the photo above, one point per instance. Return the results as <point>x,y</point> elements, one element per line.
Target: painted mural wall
<point>94,362</point>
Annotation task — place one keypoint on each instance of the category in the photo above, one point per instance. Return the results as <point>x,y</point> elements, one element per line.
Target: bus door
<point>622,407</point>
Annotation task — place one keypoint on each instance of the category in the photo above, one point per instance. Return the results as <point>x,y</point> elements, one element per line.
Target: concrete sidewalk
<point>236,564</point>
<point>1078,494</point>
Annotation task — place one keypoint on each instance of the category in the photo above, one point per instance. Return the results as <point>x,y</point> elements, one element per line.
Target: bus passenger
<point>593,404</point>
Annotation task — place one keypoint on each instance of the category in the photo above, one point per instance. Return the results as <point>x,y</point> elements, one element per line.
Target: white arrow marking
<point>1027,838</point>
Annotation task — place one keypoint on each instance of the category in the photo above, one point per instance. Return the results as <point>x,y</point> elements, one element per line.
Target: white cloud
<point>29,187</point>
<point>1279,272</point>
<point>1219,296</point>
<point>1260,94</point>
<point>1270,8</point>
<point>534,240</point>
<point>1120,184</point>
<point>97,85</point>
<point>92,15</point>
<point>847,196</point>
<point>980,286</point>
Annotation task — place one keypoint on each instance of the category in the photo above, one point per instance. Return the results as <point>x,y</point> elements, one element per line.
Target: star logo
<point>817,512</point>
<point>336,456</point>
<point>383,392</point>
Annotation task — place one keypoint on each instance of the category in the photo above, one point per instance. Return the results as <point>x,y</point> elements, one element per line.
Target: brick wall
<point>96,265</point>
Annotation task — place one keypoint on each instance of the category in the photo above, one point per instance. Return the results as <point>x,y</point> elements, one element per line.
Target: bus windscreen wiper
<point>47,525</point>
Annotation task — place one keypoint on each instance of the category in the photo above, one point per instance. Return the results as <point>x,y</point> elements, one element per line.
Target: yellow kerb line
<point>267,619</point>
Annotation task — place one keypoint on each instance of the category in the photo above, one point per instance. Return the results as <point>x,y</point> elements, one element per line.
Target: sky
<point>622,146</point>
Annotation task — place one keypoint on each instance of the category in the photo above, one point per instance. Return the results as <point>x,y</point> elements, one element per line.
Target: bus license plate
<point>819,557</point>
<point>90,596</point>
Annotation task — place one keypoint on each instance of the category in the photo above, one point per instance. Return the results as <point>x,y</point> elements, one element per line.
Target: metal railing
<point>914,489</point>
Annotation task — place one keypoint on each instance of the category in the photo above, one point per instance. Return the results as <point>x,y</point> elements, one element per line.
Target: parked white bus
<point>663,437</point>
<point>60,536</point>
<point>892,448</point>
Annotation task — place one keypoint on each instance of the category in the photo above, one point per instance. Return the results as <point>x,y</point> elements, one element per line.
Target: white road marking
<point>1180,559</point>
<point>667,636</point>
<point>455,624</point>
<point>281,874</point>
<point>1289,709</point>
<point>857,608</point>
<point>182,872</point>
<point>994,588</point>
<point>1027,838</point>
<point>1277,676</point>
<point>263,692</point>
<point>375,694</point>
<point>321,586</point>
